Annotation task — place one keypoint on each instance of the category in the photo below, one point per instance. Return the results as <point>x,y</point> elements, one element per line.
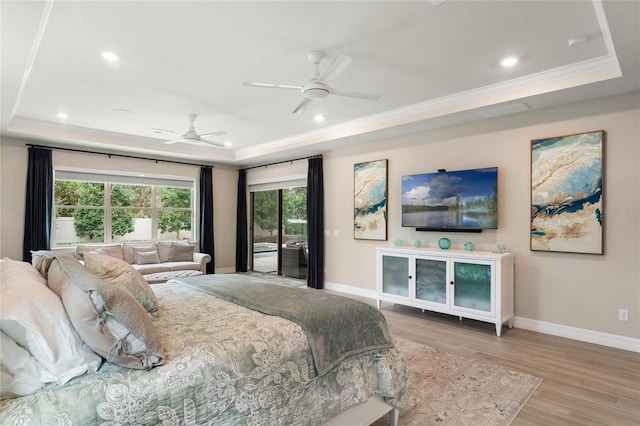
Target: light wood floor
<point>583,383</point>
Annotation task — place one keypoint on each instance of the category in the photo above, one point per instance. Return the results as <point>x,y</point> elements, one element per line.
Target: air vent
<point>503,110</point>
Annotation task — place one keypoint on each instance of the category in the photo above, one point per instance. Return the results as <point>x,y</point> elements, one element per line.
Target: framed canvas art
<point>567,193</point>
<point>370,200</point>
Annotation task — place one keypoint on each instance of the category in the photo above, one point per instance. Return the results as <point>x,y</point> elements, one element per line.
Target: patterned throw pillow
<point>107,317</point>
<point>119,272</point>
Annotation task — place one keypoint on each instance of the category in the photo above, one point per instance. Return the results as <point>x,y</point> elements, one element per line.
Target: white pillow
<point>33,316</point>
<point>129,250</point>
<point>147,257</point>
<point>19,370</point>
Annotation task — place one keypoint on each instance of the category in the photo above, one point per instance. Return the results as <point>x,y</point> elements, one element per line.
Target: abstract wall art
<point>370,200</point>
<point>567,193</point>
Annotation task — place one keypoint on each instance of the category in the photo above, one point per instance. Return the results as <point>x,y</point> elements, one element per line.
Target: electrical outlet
<point>623,315</point>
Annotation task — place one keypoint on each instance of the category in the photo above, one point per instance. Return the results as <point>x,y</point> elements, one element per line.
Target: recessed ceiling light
<point>575,41</point>
<point>62,115</point>
<point>318,117</point>
<point>227,144</point>
<point>509,61</point>
<point>110,56</point>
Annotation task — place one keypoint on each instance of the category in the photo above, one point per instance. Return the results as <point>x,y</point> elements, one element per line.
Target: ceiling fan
<point>318,87</point>
<point>192,137</point>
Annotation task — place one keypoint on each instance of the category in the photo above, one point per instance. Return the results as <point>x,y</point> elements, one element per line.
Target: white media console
<point>468,284</point>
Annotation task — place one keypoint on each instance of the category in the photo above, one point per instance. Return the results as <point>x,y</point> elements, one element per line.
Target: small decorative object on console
<point>418,244</point>
<point>398,242</point>
<point>444,243</point>
<point>500,248</point>
<point>469,246</point>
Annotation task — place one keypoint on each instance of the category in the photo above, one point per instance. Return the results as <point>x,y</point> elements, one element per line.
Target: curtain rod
<point>157,160</point>
<point>282,162</point>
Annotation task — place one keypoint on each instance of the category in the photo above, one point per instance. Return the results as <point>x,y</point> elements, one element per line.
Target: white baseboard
<point>583,335</point>
<point>356,291</point>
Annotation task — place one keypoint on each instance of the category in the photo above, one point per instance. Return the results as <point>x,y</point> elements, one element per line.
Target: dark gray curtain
<point>39,202</point>
<point>315,223</point>
<point>206,216</point>
<point>242,249</point>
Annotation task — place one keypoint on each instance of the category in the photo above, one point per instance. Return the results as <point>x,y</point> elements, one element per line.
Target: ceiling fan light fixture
<point>315,90</point>
<point>316,93</point>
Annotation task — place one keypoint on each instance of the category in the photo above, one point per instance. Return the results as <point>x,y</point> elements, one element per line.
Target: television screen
<point>465,200</point>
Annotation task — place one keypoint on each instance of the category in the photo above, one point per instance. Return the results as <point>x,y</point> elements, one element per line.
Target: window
<point>101,208</point>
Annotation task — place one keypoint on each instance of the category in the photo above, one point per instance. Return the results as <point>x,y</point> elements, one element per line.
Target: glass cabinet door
<point>395,275</point>
<point>431,280</point>
<point>472,286</point>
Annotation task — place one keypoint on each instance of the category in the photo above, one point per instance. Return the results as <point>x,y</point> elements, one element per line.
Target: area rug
<point>448,389</point>
<point>278,279</point>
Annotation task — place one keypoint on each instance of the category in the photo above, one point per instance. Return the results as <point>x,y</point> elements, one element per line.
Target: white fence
<point>65,233</point>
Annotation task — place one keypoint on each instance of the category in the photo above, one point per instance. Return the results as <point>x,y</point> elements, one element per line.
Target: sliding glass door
<point>279,231</point>
<point>264,230</point>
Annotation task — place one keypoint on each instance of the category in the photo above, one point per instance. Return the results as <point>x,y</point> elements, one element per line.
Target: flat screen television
<point>464,200</point>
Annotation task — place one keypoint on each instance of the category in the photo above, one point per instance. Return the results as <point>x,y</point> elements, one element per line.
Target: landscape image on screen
<point>466,199</point>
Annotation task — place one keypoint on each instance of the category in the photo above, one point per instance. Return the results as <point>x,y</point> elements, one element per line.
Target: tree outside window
<point>86,211</point>
<point>175,215</point>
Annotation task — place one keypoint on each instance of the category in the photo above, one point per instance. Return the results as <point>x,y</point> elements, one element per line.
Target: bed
<point>228,364</point>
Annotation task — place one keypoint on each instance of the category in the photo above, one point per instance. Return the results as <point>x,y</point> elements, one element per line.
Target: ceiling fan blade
<point>187,141</point>
<point>271,85</point>
<point>169,132</point>
<point>218,133</point>
<point>334,68</point>
<point>355,95</point>
<point>302,106</point>
<point>212,143</point>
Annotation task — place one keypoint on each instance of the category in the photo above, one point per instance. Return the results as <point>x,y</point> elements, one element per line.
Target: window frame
<point>109,179</point>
